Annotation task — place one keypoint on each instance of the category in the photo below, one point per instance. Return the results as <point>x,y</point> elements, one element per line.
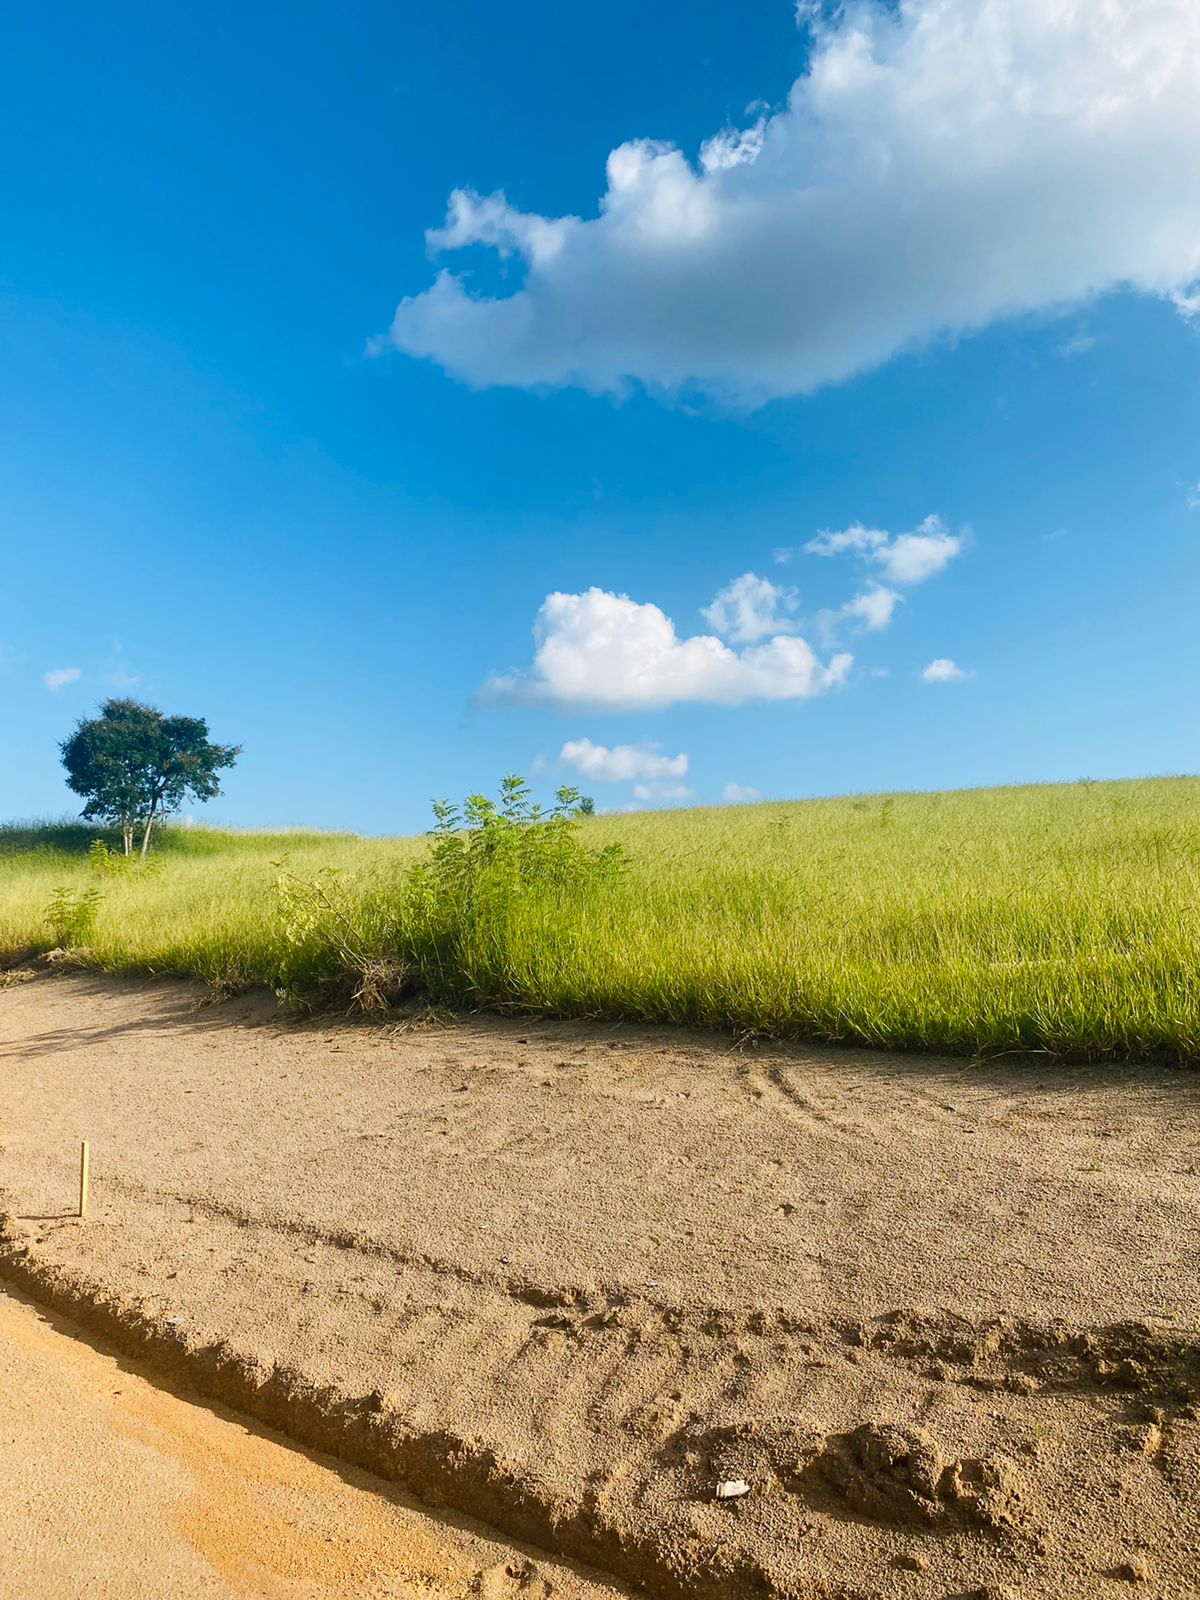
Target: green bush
<point>429,926</point>
<point>71,914</point>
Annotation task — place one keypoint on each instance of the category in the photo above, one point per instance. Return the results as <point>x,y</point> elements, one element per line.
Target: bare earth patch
<point>567,1278</point>
<point>114,1487</point>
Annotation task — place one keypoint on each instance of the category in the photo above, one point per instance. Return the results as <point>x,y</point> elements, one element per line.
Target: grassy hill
<point>1063,918</point>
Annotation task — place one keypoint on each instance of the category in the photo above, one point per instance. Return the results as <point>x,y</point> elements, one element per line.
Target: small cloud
<point>59,677</point>
<point>782,554</point>
<point>943,670</point>
<point>740,794</point>
<point>904,558</point>
<point>751,608</point>
<point>1055,533</point>
<point>1191,496</point>
<point>662,794</point>
<point>1078,345</point>
<point>117,672</point>
<point>870,612</point>
<point>622,762</point>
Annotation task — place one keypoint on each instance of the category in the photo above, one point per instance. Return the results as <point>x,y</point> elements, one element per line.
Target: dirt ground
<point>942,1318</point>
<point>113,1487</point>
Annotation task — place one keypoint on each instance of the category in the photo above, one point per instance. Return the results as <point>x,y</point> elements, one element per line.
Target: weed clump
<point>436,924</point>
<point>490,862</point>
<point>333,946</point>
<point>71,915</point>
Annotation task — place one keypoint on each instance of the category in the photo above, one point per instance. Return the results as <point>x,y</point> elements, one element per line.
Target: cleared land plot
<point>567,1278</point>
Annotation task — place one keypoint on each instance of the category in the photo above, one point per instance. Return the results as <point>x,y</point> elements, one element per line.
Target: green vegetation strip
<point>1058,918</point>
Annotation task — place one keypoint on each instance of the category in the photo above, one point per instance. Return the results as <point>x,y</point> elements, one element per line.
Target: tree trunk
<point>127,834</point>
<point>146,835</point>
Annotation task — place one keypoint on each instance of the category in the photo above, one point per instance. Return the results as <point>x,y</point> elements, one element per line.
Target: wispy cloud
<point>903,558</point>
<point>604,651</point>
<point>751,608</point>
<point>869,612</point>
<point>1079,344</point>
<point>662,794</point>
<point>740,794</point>
<point>59,677</point>
<point>943,670</point>
<point>1192,496</point>
<point>937,167</point>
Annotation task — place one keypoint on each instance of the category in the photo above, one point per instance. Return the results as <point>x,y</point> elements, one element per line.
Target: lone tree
<point>134,766</point>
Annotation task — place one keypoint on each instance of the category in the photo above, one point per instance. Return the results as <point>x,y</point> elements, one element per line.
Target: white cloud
<point>943,670</point>
<point>740,794</point>
<point>59,677</point>
<point>782,554</point>
<point>938,167</point>
<point>622,762</point>
<point>732,147</point>
<point>1192,496</point>
<point>605,651</point>
<point>873,607</point>
<point>871,612</point>
<point>750,608</point>
<point>662,794</point>
<point>1079,344</point>
<point>903,558</point>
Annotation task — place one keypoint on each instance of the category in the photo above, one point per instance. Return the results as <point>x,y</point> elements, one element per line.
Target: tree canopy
<point>134,766</point>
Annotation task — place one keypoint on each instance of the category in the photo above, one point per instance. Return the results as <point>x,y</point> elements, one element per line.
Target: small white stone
<point>732,1489</point>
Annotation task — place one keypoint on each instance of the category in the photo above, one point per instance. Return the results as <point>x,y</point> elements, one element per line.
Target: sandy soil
<point>942,1318</point>
<point>113,1487</point>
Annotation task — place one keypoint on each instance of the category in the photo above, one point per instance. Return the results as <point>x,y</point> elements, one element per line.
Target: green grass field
<point>1061,918</point>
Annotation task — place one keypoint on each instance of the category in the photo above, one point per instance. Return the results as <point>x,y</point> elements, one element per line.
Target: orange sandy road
<point>116,1489</point>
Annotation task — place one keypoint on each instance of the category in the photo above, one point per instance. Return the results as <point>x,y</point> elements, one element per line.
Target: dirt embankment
<point>942,1319</point>
<point>114,1487</point>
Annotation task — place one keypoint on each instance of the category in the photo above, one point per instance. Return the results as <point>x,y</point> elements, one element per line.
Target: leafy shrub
<point>487,854</point>
<point>422,929</point>
<point>109,863</point>
<point>71,914</point>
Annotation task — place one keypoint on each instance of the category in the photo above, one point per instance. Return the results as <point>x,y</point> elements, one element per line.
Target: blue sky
<point>900,295</point>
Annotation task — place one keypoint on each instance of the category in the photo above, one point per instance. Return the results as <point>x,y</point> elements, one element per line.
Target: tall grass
<point>1061,918</point>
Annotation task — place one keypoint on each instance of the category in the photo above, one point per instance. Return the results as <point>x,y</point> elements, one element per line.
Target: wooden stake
<point>84,1163</point>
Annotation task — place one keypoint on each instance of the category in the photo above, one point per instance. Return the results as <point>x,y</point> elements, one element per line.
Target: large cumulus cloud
<point>940,165</point>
